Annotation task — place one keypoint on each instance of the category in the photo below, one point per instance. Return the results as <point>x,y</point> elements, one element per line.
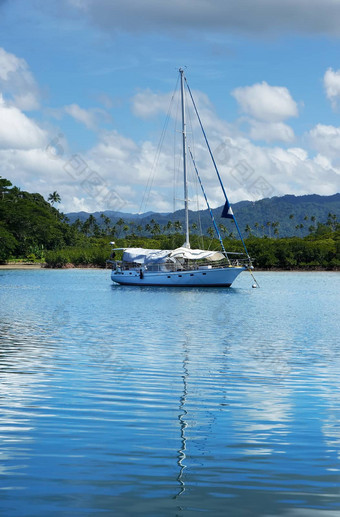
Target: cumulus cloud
<point>271,131</point>
<point>326,140</point>
<point>17,131</point>
<point>262,16</point>
<point>91,118</point>
<point>116,171</point>
<point>265,108</point>
<point>17,82</point>
<point>147,104</point>
<point>265,102</point>
<point>331,82</point>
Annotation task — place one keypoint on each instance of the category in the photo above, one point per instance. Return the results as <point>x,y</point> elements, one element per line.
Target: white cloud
<point>124,170</point>
<point>298,152</point>
<point>265,102</point>
<point>252,172</point>
<point>249,171</point>
<point>17,82</point>
<point>17,131</point>
<point>271,131</point>
<point>91,118</point>
<point>326,140</point>
<point>331,82</point>
<point>147,104</point>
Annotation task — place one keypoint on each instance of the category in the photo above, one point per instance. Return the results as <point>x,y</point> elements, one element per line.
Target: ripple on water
<point>165,401</point>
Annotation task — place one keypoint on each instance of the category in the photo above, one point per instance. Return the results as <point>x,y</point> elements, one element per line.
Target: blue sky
<point>85,87</point>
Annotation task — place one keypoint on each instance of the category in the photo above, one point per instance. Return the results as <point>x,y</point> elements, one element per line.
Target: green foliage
<point>95,255</point>
<point>29,223</point>
<point>33,229</point>
<point>8,243</point>
<point>296,253</point>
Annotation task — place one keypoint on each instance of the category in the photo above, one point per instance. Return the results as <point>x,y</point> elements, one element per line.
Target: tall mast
<point>186,202</point>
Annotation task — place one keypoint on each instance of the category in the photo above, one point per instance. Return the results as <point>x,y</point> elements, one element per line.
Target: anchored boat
<point>184,267</point>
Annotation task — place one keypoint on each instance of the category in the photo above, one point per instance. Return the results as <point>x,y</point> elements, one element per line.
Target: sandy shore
<point>21,266</point>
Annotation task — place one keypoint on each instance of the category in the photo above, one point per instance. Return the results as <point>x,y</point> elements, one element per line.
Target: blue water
<point>169,402</point>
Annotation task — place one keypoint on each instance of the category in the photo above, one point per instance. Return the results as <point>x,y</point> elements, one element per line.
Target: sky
<point>85,87</point>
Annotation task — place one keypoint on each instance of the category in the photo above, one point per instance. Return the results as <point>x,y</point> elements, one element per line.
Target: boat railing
<point>238,260</point>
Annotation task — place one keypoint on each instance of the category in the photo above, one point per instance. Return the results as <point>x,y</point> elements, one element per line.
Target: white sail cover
<point>145,256</point>
<point>190,254</point>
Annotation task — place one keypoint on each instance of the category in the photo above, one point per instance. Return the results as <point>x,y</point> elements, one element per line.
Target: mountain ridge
<point>256,217</point>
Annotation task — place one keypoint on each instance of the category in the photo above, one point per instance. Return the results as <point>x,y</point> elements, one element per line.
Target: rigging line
<point>147,191</point>
<point>215,166</point>
<point>210,211</point>
<point>193,147</point>
<point>198,208</point>
<point>250,271</point>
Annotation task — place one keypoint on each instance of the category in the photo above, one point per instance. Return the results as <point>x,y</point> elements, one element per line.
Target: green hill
<point>284,216</point>
<point>28,224</point>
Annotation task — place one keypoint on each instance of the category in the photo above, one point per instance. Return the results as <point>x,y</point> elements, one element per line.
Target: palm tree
<point>156,229</point>
<point>194,227</point>
<point>120,224</point>
<point>223,229</point>
<point>169,226</point>
<point>276,225</point>
<point>269,224</point>
<point>77,224</point>
<point>90,225</point>
<point>178,226</point>
<point>299,226</point>
<point>107,223</point>
<point>210,231</point>
<point>54,198</point>
<point>4,184</point>
<point>331,221</point>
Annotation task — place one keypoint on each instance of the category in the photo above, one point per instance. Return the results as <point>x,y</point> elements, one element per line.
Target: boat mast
<point>186,202</point>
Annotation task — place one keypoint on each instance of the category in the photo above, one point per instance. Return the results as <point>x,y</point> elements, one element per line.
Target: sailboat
<point>184,266</point>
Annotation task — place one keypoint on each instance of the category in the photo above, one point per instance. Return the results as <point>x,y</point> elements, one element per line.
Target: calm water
<point>159,401</point>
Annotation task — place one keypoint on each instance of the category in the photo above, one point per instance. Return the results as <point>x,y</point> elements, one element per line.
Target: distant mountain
<point>114,216</point>
<point>290,212</point>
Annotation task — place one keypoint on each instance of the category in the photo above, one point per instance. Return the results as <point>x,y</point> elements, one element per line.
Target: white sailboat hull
<point>216,277</point>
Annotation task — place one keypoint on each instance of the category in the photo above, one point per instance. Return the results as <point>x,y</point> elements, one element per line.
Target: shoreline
<point>22,266</point>
<point>30,266</point>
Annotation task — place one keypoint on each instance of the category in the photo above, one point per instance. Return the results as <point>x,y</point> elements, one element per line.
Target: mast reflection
<point>183,424</point>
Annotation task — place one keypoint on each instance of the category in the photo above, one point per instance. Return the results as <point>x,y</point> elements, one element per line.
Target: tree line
<point>32,228</point>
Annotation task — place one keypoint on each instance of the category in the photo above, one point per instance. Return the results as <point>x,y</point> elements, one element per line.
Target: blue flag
<point>227,211</point>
